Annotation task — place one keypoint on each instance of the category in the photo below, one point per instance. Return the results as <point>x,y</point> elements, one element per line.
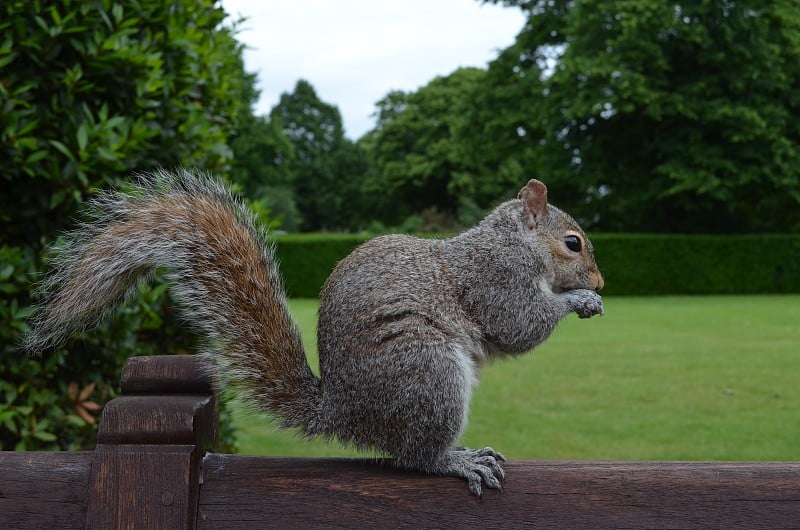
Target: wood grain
<point>166,374</point>
<point>241,492</point>
<point>145,468</point>
<point>43,490</point>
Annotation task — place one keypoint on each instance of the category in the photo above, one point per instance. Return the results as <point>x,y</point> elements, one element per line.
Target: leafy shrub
<point>89,93</point>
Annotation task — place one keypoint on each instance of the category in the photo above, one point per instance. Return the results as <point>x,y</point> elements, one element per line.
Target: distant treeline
<point>643,116</point>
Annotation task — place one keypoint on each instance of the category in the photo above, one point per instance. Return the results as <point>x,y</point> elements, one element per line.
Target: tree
<point>261,168</point>
<point>667,116</point>
<point>262,155</point>
<point>262,158</point>
<point>91,92</point>
<point>326,164</point>
<point>497,131</point>
<point>418,158</point>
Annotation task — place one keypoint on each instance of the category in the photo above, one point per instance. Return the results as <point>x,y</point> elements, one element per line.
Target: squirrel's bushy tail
<point>222,274</point>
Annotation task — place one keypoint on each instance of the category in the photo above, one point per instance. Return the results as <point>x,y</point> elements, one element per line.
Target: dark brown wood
<point>191,418</point>
<point>171,419</point>
<point>145,471</point>
<point>166,374</point>
<point>247,492</point>
<point>43,490</point>
<point>140,486</point>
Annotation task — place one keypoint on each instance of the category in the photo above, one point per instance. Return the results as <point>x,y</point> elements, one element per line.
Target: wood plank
<point>139,486</point>
<point>245,492</point>
<point>159,419</point>
<point>167,374</point>
<point>43,489</point>
<point>145,467</point>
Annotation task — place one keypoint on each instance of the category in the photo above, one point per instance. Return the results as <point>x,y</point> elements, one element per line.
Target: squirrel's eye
<point>573,243</point>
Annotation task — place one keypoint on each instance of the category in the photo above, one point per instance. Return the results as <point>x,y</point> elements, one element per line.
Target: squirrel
<point>404,323</point>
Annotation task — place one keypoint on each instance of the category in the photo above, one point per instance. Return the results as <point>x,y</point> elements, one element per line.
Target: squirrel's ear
<point>534,202</point>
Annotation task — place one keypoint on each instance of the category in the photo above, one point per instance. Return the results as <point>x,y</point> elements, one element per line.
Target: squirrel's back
<point>391,289</point>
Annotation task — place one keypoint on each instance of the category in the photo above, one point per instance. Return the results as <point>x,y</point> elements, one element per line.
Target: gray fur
<point>404,326</point>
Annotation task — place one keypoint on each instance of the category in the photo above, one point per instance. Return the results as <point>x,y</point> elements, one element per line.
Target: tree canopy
<point>326,166</point>
<point>654,116</point>
<point>640,116</point>
<point>417,156</point>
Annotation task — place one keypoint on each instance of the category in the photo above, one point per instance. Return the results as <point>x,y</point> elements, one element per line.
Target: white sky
<point>355,51</point>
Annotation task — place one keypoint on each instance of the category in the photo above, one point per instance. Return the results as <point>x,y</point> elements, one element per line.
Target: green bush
<point>91,92</point>
<point>307,260</point>
<point>642,264</point>
<point>632,264</point>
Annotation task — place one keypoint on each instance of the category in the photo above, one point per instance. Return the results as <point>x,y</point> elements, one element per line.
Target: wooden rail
<point>152,468</point>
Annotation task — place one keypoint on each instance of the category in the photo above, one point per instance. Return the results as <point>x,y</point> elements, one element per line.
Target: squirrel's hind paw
<point>479,466</point>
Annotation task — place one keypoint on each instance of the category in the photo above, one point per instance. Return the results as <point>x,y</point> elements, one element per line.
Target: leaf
<point>115,121</point>
<point>11,426</point>
<point>91,405</point>
<point>63,148</point>
<point>28,127</point>
<point>7,44</point>
<point>45,436</point>
<point>86,392</point>
<point>24,312</point>
<point>88,418</point>
<point>82,136</point>
<point>117,12</point>
<point>36,156</point>
<point>75,420</point>
<point>42,24</point>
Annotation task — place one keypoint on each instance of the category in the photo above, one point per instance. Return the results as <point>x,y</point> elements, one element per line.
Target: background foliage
<point>640,116</point>
<point>667,117</point>
<point>90,92</point>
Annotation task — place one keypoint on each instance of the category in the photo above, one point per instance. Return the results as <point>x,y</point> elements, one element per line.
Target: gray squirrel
<point>404,323</point>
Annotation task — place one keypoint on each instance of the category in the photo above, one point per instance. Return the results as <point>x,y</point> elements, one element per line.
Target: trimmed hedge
<point>307,260</point>
<point>644,264</point>
<point>632,264</point>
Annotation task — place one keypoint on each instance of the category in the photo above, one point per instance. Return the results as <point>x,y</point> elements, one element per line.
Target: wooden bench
<point>153,468</point>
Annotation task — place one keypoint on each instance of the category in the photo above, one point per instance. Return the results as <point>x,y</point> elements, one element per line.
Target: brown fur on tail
<point>222,275</point>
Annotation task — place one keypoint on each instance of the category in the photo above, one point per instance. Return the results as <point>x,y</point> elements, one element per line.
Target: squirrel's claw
<point>479,466</point>
<point>585,303</point>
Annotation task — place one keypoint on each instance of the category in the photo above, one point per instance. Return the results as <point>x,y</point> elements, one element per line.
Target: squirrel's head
<point>572,252</point>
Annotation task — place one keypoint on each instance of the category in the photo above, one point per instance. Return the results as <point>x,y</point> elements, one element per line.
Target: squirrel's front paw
<point>585,303</point>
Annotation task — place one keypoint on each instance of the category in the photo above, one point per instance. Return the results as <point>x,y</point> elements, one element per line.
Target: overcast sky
<point>355,51</point>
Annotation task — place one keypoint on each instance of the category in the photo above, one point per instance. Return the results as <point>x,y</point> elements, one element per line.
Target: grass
<point>661,378</point>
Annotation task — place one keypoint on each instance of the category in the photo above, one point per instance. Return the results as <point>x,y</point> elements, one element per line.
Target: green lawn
<point>662,378</point>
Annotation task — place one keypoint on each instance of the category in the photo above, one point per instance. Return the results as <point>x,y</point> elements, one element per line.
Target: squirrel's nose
<point>598,281</point>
